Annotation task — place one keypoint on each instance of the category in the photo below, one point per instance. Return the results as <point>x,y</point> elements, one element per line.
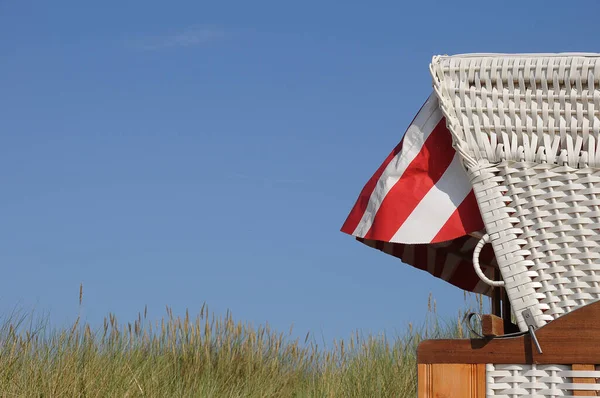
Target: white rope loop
<point>484,239</point>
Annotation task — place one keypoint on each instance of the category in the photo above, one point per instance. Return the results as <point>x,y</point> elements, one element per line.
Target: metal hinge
<point>531,326</point>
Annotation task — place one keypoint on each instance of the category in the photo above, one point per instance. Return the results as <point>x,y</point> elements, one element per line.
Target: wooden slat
<point>451,380</point>
<point>496,295</point>
<point>425,386</point>
<point>492,325</point>
<point>572,338</point>
<point>585,380</point>
<point>479,380</point>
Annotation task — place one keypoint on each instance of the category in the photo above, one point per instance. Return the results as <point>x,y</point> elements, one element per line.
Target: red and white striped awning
<point>419,205</point>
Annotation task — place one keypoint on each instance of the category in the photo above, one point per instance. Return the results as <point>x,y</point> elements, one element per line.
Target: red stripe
<point>397,250</point>
<point>464,276</point>
<point>420,176</point>
<point>487,255</point>
<point>365,195</point>
<point>421,257</point>
<point>440,261</point>
<point>465,219</point>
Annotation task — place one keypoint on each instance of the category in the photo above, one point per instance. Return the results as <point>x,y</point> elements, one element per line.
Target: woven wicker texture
<point>518,381</point>
<point>511,107</point>
<point>527,130</point>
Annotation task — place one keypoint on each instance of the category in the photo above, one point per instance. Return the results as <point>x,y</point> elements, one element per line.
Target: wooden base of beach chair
<point>569,364</point>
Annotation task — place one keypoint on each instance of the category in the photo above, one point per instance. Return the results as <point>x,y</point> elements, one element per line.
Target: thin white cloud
<point>191,37</point>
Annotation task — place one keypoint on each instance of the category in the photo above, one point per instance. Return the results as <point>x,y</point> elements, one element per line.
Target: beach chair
<point>512,212</point>
<point>526,128</point>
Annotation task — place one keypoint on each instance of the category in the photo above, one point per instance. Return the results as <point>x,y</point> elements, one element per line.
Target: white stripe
<point>414,139</point>
<point>450,265</point>
<point>388,247</point>
<point>438,205</point>
<point>469,245</point>
<point>408,257</point>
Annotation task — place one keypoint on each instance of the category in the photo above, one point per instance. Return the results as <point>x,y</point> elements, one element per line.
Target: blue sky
<point>175,153</point>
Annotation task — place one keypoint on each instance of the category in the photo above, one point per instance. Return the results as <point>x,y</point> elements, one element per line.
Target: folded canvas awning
<point>419,206</point>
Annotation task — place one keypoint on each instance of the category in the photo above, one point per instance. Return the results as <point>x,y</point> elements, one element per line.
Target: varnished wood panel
<point>572,338</point>
<point>424,383</point>
<point>492,325</point>
<point>451,381</point>
<point>586,380</point>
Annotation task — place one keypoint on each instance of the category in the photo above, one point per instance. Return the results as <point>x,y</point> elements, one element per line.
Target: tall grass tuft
<point>204,356</point>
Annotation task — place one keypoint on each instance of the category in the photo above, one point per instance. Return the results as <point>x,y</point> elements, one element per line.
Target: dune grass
<point>205,356</point>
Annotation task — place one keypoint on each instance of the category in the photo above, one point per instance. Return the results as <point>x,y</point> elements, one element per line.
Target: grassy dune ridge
<point>207,356</point>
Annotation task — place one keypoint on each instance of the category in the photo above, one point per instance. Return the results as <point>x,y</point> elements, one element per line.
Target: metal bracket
<point>531,326</point>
